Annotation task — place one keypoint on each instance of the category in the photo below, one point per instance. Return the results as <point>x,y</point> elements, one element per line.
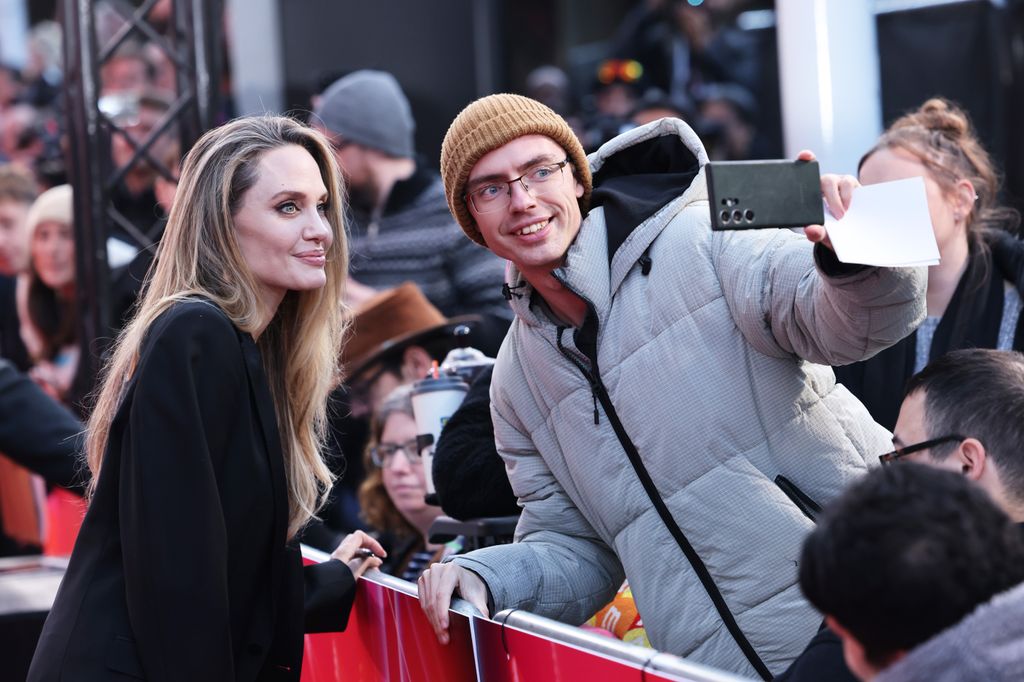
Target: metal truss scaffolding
<point>191,42</point>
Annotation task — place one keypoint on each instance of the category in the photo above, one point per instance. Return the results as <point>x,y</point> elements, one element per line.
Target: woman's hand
<point>360,551</point>
<point>837,191</point>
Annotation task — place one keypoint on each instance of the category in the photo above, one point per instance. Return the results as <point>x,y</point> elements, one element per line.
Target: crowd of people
<point>777,463</point>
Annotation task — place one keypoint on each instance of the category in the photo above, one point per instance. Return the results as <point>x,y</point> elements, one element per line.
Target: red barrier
<point>64,512</point>
<point>508,654</point>
<point>388,639</point>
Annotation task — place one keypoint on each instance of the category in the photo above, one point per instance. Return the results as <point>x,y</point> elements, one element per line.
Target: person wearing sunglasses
<point>392,496</point>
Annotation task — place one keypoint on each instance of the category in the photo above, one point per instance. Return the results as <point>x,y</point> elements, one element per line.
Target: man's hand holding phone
<point>837,191</point>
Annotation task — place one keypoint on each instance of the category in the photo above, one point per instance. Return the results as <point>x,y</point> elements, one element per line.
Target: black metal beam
<point>193,44</point>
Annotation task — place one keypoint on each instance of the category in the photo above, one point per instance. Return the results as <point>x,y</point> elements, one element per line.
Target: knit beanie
<point>54,205</point>
<point>489,123</point>
<point>370,109</point>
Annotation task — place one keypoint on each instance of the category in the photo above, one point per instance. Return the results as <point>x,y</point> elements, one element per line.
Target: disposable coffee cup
<point>434,401</point>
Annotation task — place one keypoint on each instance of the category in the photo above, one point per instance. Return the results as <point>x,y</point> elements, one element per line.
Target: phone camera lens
<point>737,215</point>
<point>749,216</point>
<point>725,215</point>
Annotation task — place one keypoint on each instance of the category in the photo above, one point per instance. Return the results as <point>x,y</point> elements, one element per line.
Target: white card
<point>887,225</point>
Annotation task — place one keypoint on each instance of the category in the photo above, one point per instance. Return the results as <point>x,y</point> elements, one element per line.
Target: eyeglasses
<point>895,455</point>
<point>383,454</point>
<point>495,196</point>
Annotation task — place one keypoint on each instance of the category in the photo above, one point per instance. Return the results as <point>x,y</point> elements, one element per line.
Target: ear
<point>972,458</point>
<point>964,196</point>
<point>579,188</point>
<point>416,362</point>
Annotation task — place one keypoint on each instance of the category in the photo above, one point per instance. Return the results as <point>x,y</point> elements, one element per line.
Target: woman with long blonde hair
<point>204,445</point>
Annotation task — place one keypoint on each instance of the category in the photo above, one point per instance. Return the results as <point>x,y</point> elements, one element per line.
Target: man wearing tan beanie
<point>663,400</point>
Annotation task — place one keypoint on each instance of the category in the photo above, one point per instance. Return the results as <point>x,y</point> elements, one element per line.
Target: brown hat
<point>489,123</point>
<point>392,321</point>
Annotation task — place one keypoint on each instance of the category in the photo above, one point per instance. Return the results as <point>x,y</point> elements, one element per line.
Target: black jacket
<point>37,432</point>
<point>971,320</point>
<point>181,570</point>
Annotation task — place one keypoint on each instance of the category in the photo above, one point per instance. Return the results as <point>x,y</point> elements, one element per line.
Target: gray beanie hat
<point>370,109</point>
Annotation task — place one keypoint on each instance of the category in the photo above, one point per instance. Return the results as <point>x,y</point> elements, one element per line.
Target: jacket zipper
<point>600,392</point>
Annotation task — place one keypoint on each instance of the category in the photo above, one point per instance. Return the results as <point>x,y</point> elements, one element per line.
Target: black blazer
<point>37,432</point>
<point>182,570</point>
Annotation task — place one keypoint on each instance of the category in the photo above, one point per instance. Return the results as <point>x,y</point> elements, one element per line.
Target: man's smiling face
<point>533,230</point>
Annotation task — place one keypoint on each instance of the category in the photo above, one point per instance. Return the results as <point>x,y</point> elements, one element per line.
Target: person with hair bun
<point>205,442</point>
<point>974,293</point>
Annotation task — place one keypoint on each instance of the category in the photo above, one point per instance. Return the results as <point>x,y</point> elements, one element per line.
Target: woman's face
<point>895,163</point>
<point>281,226</point>
<point>53,254</point>
<point>404,478</point>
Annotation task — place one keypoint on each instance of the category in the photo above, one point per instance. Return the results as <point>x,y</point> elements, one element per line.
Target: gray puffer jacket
<point>713,351</point>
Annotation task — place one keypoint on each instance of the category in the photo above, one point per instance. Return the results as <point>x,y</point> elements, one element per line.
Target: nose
<point>520,197</point>
<point>319,230</point>
<point>402,463</point>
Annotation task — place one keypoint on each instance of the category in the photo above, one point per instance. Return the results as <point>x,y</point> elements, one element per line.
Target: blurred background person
<point>393,493</point>
<point>394,339</point>
<point>17,193</point>
<point>400,224</point>
<point>974,293</point>
<point>49,313</point>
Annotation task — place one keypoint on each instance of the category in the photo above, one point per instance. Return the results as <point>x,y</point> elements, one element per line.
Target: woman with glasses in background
<point>393,495</point>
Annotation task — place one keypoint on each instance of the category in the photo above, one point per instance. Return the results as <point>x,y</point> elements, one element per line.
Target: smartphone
<point>751,195</point>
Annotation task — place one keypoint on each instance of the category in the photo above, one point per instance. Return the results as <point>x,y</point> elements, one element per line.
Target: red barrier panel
<point>64,514</point>
<point>388,639</point>
<point>514,655</point>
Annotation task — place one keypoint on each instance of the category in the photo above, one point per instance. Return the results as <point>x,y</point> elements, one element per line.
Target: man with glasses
<point>656,381</point>
<point>963,413</point>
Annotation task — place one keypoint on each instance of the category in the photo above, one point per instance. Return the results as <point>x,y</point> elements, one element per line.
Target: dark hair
<point>55,317</point>
<point>907,552</point>
<point>979,393</point>
<point>940,135</point>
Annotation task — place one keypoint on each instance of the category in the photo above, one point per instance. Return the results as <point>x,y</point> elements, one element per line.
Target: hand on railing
<point>436,586</point>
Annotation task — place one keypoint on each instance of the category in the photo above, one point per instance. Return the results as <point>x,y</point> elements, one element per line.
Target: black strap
<point>597,386</point>
<point>677,533</point>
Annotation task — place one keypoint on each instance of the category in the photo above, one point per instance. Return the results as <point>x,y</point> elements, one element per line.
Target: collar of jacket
<point>586,270</point>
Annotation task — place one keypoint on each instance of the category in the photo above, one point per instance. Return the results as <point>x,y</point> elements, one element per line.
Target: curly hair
<point>940,135</point>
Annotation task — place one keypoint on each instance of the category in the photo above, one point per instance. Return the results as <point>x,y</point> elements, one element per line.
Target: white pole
<point>828,74</point>
<point>257,65</point>
<point>13,33</point>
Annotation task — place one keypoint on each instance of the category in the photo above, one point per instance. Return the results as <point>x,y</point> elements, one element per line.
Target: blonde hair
<point>940,135</point>
<point>199,256</point>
